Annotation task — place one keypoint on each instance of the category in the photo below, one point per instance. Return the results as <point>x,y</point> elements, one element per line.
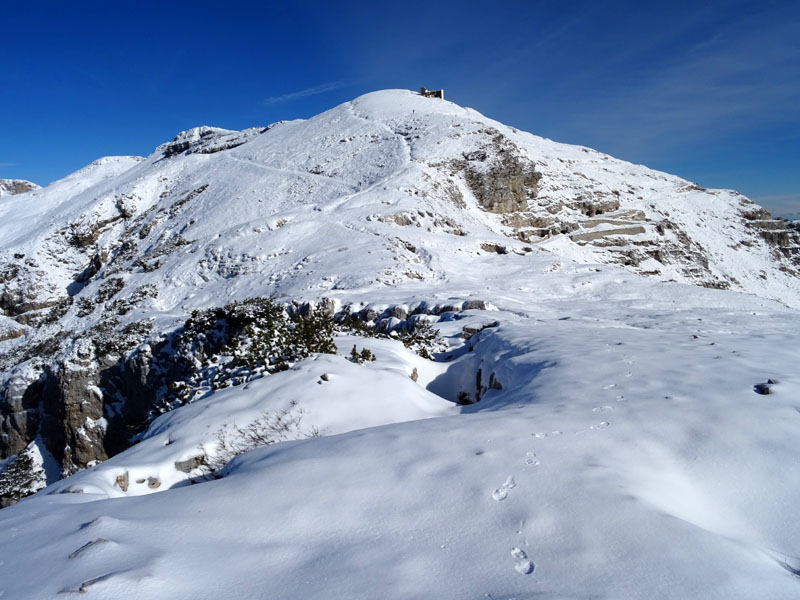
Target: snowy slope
<point>616,446</point>
<point>626,456</point>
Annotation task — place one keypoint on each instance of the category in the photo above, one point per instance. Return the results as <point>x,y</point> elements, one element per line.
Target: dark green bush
<point>423,339</point>
<point>229,345</point>
<point>360,358</point>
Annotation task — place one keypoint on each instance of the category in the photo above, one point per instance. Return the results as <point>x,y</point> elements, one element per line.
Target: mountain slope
<point>391,190</point>
<point>214,206</point>
<point>595,420</point>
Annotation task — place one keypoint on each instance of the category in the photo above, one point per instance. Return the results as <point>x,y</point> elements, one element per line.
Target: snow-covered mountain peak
<point>395,183</point>
<point>624,341</point>
<point>391,195</point>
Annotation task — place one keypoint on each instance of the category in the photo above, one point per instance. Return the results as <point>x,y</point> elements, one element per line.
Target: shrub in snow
<point>423,339</point>
<point>86,307</point>
<point>313,333</point>
<point>229,345</point>
<point>268,428</point>
<point>109,288</point>
<point>21,477</point>
<point>360,358</point>
<point>346,322</point>
<point>420,336</point>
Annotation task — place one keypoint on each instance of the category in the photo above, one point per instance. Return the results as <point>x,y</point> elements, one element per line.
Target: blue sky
<point>709,91</point>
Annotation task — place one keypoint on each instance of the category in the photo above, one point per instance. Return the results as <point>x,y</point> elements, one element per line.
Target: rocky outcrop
<point>778,233</point>
<point>208,140</point>
<point>11,187</point>
<point>20,399</point>
<point>502,180</point>
<point>75,424</point>
<point>75,402</point>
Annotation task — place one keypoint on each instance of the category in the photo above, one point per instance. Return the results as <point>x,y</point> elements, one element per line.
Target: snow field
<point>623,456</point>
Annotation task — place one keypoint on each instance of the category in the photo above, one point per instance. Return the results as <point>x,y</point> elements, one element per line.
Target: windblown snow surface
<point>621,453</point>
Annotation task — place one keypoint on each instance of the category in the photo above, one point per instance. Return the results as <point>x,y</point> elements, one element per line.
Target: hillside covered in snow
<point>398,350</point>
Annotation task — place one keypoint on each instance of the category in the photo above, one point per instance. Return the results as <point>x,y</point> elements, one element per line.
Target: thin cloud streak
<point>737,80</point>
<point>8,164</point>
<point>312,91</point>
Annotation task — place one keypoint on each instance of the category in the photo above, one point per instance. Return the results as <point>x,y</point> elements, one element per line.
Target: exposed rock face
<point>500,178</point>
<point>20,399</point>
<point>208,140</point>
<point>11,187</point>
<point>74,424</point>
<point>781,234</point>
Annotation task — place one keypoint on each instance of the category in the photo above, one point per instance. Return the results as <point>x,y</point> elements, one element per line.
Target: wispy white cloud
<point>312,91</point>
<point>8,164</point>
<point>741,78</point>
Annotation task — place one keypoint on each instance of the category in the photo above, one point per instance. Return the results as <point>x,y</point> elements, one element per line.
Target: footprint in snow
<point>601,425</point>
<point>103,522</point>
<point>602,408</point>
<point>531,459</point>
<point>541,434</point>
<point>501,493</point>
<point>609,386</point>
<point>523,565</point>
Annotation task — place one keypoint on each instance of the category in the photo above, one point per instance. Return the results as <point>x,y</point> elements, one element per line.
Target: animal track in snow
<point>542,434</point>
<point>601,425</point>
<point>531,460</point>
<point>501,493</point>
<point>523,565</point>
<point>609,386</point>
<point>602,408</point>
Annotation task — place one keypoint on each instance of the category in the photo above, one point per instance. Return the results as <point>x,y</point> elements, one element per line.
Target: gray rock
<point>499,177</point>
<point>122,481</point>
<point>763,388</point>
<point>398,312</point>
<point>475,305</point>
<point>190,464</point>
